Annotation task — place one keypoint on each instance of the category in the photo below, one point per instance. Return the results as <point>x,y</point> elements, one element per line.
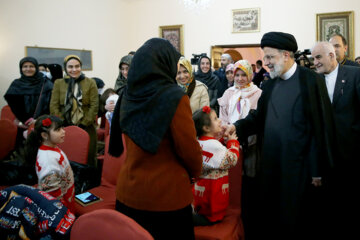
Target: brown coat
<point>161,181</point>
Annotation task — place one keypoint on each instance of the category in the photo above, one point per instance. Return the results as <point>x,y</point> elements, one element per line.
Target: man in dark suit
<point>343,85</point>
<point>259,75</point>
<point>226,59</point>
<point>340,46</point>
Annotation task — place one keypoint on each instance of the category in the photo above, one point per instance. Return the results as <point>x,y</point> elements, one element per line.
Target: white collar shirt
<point>289,73</point>
<point>330,80</point>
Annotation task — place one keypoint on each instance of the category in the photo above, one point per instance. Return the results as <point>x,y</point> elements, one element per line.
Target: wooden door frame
<point>212,53</point>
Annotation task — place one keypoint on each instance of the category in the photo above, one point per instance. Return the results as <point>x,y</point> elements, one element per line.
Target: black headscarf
<point>56,71</point>
<point>23,95</point>
<point>150,99</point>
<point>29,85</point>
<point>121,80</point>
<point>209,79</point>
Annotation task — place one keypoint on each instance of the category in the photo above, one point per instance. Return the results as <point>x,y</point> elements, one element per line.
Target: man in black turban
<point>291,119</point>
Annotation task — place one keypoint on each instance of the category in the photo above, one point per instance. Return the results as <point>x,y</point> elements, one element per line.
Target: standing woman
<point>206,76</point>
<point>163,155</point>
<point>75,100</point>
<point>239,99</point>
<point>196,90</point>
<point>124,66</point>
<point>29,95</point>
<point>229,73</point>
<point>236,104</point>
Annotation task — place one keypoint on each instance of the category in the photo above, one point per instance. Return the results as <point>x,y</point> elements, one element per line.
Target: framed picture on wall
<point>342,23</point>
<point>246,20</point>
<point>56,55</point>
<point>174,34</point>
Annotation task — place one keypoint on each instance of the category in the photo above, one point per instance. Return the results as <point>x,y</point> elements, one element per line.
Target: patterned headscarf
<point>244,66</point>
<point>186,64</point>
<point>230,67</point>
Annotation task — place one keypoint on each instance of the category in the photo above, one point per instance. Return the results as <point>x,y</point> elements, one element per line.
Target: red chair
<point>6,113</point>
<point>107,189</point>
<point>76,144</point>
<point>107,224</point>
<point>231,227</point>
<point>103,130</point>
<point>8,131</point>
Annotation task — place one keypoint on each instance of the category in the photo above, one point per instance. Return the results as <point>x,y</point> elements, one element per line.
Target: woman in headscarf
<point>124,66</point>
<point>196,90</point>
<point>29,95</point>
<point>236,104</point>
<point>163,155</point>
<point>229,72</point>
<point>206,76</point>
<point>237,101</point>
<point>75,100</point>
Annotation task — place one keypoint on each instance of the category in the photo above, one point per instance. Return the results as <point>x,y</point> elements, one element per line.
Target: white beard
<point>278,69</point>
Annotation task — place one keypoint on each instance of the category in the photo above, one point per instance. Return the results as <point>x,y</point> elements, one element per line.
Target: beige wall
<point>111,28</point>
<point>213,26</point>
<point>75,24</point>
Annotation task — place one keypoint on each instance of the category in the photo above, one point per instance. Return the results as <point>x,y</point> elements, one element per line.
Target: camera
<point>196,57</point>
<point>302,58</point>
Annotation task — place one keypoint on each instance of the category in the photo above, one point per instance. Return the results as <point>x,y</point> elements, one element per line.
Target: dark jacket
<point>349,63</point>
<point>259,77</point>
<point>346,105</point>
<point>223,83</point>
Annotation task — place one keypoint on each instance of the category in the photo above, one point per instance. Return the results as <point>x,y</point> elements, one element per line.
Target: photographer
<point>302,59</point>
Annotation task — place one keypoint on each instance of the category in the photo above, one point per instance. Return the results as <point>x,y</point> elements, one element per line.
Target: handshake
<point>229,132</point>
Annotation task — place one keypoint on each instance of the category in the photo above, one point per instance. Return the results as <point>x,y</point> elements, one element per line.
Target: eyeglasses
<point>269,57</point>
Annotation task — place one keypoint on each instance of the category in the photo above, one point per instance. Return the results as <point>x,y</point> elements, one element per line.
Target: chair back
<point>8,131</point>
<point>235,183</point>
<point>107,128</point>
<point>6,113</point>
<point>111,165</point>
<point>76,144</point>
<point>107,224</point>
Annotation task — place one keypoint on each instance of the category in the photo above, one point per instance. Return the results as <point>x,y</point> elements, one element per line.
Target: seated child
<point>53,169</point>
<point>211,189</point>
<point>111,100</point>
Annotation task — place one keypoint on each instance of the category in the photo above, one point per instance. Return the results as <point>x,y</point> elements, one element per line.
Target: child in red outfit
<point>53,169</point>
<point>211,190</point>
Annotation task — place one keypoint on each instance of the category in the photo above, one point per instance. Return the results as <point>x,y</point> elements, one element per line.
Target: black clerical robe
<point>294,124</point>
